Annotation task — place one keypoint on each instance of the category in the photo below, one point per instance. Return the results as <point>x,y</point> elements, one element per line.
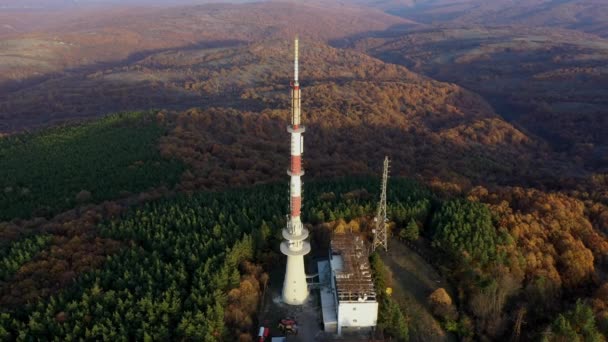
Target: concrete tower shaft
<point>295,288</point>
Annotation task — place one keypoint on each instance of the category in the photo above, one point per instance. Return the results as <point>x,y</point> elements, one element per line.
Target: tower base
<point>295,288</point>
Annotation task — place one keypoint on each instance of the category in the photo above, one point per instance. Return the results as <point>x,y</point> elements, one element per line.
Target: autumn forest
<point>143,155</point>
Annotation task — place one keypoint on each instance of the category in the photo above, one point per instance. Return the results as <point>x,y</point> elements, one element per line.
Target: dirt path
<point>413,280</point>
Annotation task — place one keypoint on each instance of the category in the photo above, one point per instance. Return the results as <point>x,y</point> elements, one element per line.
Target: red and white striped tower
<point>295,288</point>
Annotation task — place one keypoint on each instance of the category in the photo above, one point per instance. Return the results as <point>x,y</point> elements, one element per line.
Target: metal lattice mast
<point>380,235</point>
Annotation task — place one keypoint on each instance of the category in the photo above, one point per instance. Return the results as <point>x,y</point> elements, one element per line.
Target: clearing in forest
<point>413,280</point>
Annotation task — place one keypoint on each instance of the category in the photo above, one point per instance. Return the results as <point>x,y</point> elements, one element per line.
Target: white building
<point>349,301</point>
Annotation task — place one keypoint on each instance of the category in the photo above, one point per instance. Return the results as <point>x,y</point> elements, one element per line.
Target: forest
<point>180,261</point>
<point>181,255</point>
<point>544,82</point>
<point>45,173</point>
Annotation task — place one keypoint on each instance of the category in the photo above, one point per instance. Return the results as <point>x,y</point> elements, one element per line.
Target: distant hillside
<point>552,82</point>
<point>355,105</point>
<point>237,57</point>
<point>585,15</point>
<point>386,5</point>
<point>358,103</point>
<point>113,35</point>
<point>63,4</point>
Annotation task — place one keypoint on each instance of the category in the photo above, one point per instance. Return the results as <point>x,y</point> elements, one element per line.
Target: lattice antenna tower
<point>380,234</point>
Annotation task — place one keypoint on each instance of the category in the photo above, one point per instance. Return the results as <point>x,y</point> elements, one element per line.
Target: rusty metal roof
<point>354,279</point>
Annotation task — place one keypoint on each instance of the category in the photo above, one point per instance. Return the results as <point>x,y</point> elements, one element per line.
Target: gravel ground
<point>308,316</point>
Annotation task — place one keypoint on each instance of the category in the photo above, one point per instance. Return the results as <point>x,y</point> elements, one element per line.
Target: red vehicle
<point>263,334</point>
<point>288,326</point>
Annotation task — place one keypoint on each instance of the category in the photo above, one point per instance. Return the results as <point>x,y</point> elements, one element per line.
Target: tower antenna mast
<point>380,235</point>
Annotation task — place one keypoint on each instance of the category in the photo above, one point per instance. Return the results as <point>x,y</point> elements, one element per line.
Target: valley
<point>549,82</point>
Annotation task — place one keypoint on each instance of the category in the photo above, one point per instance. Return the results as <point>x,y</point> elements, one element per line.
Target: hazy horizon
<point>60,4</point>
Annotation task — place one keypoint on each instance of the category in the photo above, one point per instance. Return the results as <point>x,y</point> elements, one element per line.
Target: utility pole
<point>380,235</point>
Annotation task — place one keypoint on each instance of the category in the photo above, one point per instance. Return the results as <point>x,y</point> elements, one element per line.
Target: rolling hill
<point>589,16</point>
<point>228,56</point>
<point>551,82</point>
<point>115,34</point>
<point>345,91</point>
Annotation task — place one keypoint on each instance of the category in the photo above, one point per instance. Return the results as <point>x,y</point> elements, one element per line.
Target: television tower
<point>295,288</point>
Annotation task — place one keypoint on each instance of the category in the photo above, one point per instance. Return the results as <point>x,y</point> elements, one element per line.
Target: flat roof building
<point>348,300</point>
